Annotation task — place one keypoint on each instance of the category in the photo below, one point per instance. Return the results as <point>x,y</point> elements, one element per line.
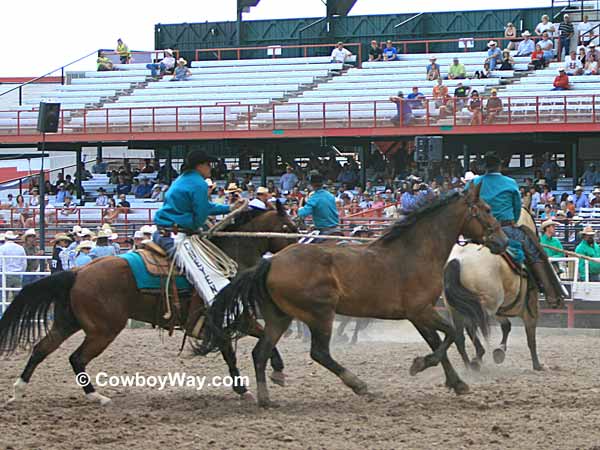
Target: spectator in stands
<point>456,70</point>
<point>508,63</point>
<point>31,249</point>
<point>591,177</point>
<point>143,189</point>
<point>566,30</point>
<point>581,56</point>
<point>573,65</point>
<point>415,98</point>
<point>34,199</point>
<point>584,29</point>
<point>493,107</point>
<point>534,198</point>
<point>595,203</point>
<point>510,33</point>
<point>404,111</point>
<point>103,246</point>
<point>83,253</point>
<point>49,188</point>
<point>588,247</point>
<point>580,200</point>
<point>103,63</point>
<point>102,199</point>
<point>561,81</point>
<point>111,211</point>
<point>483,73</point>
<point>288,180</point>
<point>348,176</point>
<point>124,185</point>
<point>547,47</point>
<point>545,26</point>
<point>123,51</point>
<point>157,194</point>
<point>389,52</point>
<point>592,50</point>
<point>100,167</point>
<point>340,54</point>
<point>410,198</point>
<point>526,46</point>
<point>461,93</point>
<point>68,207</point>
<point>537,58</point>
<point>182,72</point>
<point>550,170</point>
<point>439,93</point>
<point>13,261</point>
<point>166,65</point>
<point>433,70</point>
<point>124,205</point>
<point>167,174</point>
<point>375,52</point>
<point>591,65</point>
<point>546,194</point>
<point>69,185</point>
<point>494,56</point>
<point>148,166</point>
<point>475,108</point>
<point>85,174</point>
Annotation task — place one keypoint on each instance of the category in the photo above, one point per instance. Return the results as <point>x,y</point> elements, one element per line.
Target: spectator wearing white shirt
<point>584,31</point>
<point>573,65</point>
<point>102,199</point>
<point>526,46</point>
<point>545,26</point>
<point>340,54</point>
<point>13,260</point>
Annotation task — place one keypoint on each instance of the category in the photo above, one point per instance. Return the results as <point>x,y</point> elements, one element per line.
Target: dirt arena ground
<point>509,407</point>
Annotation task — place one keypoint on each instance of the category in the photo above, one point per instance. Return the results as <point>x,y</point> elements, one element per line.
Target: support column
<point>78,173</point>
<point>99,150</point>
<point>263,168</point>
<point>42,183</point>
<point>363,164</point>
<point>466,157</point>
<point>574,146</point>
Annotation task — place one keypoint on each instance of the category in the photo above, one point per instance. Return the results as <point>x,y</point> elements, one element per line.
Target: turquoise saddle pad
<point>143,279</point>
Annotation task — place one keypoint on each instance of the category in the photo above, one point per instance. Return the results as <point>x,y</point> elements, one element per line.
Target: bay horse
<point>478,284</point>
<point>398,276</point>
<point>100,297</point>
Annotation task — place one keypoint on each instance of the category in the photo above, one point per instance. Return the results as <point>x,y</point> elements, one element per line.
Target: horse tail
<point>26,318</point>
<point>229,314</point>
<point>464,301</point>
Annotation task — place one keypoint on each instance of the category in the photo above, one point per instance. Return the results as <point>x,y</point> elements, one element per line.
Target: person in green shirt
<point>548,238</point>
<point>457,70</point>
<point>104,64</point>
<point>123,51</point>
<point>588,247</point>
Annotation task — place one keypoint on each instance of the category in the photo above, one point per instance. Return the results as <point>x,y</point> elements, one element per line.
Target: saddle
<point>156,260</point>
<point>517,267</point>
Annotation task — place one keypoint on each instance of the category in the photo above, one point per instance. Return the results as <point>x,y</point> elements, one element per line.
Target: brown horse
<point>398,276</point>
<point>100,298</point>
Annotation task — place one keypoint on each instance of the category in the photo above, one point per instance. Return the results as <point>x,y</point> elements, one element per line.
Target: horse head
<point>480,226</point>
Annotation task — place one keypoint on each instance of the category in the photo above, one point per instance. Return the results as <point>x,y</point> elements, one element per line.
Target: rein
<point>275,235</point>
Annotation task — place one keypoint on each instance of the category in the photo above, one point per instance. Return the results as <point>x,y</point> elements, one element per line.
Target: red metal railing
<point>403,46</point>
<point>550,107</point>
<point>150,55</point>
<point>354,47</point>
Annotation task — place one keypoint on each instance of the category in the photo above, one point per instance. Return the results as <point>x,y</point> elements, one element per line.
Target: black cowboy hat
<point>316,179</point>
<point>196,157</point>
<point>492,160</point>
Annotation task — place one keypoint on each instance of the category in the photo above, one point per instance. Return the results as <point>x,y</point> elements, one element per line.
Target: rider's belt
<point>167,231</point>
<point>507,223</point>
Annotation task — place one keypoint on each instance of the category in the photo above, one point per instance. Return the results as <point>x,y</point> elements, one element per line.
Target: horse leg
<point>500,353</point>
<point>60,331</point>
<point>229,356</point>
<point>479,348</point>
<point>277,376</point>
<point>357,328</point>
<point>430,319</point>
<point>459,326</point>
<point>530,326</point>
<point>453,381</point>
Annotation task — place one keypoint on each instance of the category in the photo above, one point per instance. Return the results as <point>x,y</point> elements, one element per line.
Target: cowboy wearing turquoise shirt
<point>588,247</point>
<point>502,194</point>
<point>321,206</point>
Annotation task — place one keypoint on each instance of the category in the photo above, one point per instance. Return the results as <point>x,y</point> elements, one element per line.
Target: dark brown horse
<point>100,298</point>
<point>398,276</point>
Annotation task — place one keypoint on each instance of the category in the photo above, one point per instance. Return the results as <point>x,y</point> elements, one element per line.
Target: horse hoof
<point>538,367</point>
<point>475,365</point>
<point>499,355</point>
<point>98,398</point>
<point>461,388</point>
<point>361,389</point>
<point>278,378</point>
<point>247,397</point>
<point>418,365</point>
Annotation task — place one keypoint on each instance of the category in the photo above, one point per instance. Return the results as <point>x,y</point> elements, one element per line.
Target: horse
<point>398,276</point>
<point>478,284</point>
<point>100,297</point>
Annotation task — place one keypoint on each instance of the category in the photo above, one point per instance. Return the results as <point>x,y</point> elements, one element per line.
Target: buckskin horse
<point>478,284</point>
<point>100,297</point>
<point>398,276</point>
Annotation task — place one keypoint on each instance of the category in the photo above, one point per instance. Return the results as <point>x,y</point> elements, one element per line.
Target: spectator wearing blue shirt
<point>404,115</point>
<point>143,190</point>
<point>415,98</point>
<point>494,55</point>
<point>288,180</point>
<point>580,200</point>
<point>61,193</point>
<point>124,186</point>
<point>410,199</point>
<point>389,52</point>
<point>591,177</point>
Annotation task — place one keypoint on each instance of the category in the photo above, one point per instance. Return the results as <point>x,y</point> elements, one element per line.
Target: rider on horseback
<point>501,193</point>
<point>321,206</point>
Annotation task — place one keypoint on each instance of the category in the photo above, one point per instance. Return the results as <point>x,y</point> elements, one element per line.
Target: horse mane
<point>401,226</point>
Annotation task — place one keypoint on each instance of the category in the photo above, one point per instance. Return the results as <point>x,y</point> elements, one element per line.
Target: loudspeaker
<point>48,117</point>
<point>429,149</point>
<point>436,148</point>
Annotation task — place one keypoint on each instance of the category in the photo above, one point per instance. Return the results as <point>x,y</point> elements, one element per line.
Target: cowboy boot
<point>540,272</point>
<point>195,317</point>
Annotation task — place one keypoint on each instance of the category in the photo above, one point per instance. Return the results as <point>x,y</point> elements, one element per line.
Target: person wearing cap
<point>321,206</point>
<point>433,70</point>
<point>502,195</point>
<point>493,107</point>
<point>288,180</point>
<point>389,52</point>
<point>143,189</point>
<point>461,92</point>
<point>138,239</point>
<point>580,200</point>
<point>340,54</point>
<point>494,56</point>
<point>415,98</point>
<point>456,70</point>
<point>595,202</point>
<point>566,30</point>
<point>123,51</point>
<point>526,46</point>
<point>83,253</point>
<point>182,72</point>
<point>261,200</point>
<point>561,81</point>
<point>61,242</point>
<point>375,52</point>
<point>404,111</point>
<point>592,50</point>
<point>31,249</point>
<point>548,238</point>
<point>588,247</point>
<point>12,258</point>
<point>165,65</point>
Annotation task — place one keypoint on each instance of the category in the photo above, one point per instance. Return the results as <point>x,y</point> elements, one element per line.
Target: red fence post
<point>570,314</point>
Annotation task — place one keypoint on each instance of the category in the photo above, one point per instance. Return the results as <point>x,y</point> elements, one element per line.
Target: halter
<point>475,213</point>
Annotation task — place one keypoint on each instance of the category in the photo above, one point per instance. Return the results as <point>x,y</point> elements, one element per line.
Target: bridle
<point>475,214</point>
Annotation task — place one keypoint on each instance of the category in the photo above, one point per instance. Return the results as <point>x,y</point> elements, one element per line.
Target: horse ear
<point>280,208</point>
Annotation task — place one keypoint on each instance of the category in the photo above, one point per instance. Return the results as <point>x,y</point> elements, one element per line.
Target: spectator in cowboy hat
<point>138,239</point>
<point>12,259</point>
<point>165,65</point>
<point>261,200</point>
<point>588,247</point>
<point>526,46</point>
<point>61,242</point>
<point>31,249</point>
<point>182,73</point>
<point>494,55</point>
<point>596,200</point>
<point>103,246</point>
<point>433,70</point>
<point>548,238</point>
<point>147,231</point>
<point>233,193</point>
<point>580,200</point>
<point>83,253</point>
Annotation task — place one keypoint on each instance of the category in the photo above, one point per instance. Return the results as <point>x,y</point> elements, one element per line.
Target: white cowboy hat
<point>232,187</point>
<point>208,181</point>
<point>588,231</point>
<point>526,33</point>
<point>103,234</point>
<point>114,236</point>
<point>84,232</point>
<point>76,229</point>
<point>181,61</point>
<point>262,190</point>
<point>491,43</point>
<point>138,235</point>
<point>548,223</point>
<point>11,235</point>
<point>169,51</point>
<point>30,232</point>
<point>85,244</point>
<point>257,204</point>
<point>596,191</point>
<point>578,189</point>
<point>561,69</point>
<point>146,229</point>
